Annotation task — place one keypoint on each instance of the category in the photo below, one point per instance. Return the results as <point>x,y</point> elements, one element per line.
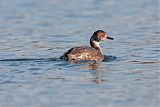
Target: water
<point>34,33</point>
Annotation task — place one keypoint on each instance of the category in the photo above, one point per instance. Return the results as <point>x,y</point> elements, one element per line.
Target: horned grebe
<point>88,53</point>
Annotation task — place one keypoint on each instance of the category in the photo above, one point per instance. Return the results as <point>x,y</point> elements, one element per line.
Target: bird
<point>93,52</point>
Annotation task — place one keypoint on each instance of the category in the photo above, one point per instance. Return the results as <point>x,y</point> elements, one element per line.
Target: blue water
<point>35,33</point>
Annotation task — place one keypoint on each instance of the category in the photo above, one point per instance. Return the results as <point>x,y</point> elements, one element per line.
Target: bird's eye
<point>102,35</point>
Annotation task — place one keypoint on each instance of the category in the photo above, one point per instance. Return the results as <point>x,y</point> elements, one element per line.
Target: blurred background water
<point>34,33</point>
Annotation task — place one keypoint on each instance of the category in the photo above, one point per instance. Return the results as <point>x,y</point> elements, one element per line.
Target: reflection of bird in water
<point>99,80</point>
<point>88,53</point>
<point>91,65</point>
<point>97,72</point>
<point>94,66</point>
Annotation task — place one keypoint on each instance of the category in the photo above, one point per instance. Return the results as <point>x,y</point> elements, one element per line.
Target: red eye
<point>102,35</point>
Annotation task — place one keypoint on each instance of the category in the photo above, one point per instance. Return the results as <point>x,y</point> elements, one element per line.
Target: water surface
<point>34,33</point>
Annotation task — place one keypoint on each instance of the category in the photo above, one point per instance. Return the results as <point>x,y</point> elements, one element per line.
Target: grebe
<point>88,53</point>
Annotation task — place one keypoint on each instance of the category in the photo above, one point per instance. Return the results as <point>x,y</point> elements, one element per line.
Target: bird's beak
<point>109,38</point>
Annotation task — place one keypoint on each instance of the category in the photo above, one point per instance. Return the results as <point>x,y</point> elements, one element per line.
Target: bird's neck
<point>95,44</point>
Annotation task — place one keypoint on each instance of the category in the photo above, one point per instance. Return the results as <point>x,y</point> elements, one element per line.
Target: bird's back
<point>83,53</point>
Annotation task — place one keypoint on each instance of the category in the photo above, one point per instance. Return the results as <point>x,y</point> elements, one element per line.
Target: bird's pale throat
<point>95,45</point>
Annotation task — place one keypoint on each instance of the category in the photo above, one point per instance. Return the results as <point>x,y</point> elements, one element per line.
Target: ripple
<point>32,59</point>
<point>144,62</point>
<point>109,58</point>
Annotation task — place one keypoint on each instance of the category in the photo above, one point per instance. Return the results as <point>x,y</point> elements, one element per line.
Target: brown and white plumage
<point>88,53</point>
